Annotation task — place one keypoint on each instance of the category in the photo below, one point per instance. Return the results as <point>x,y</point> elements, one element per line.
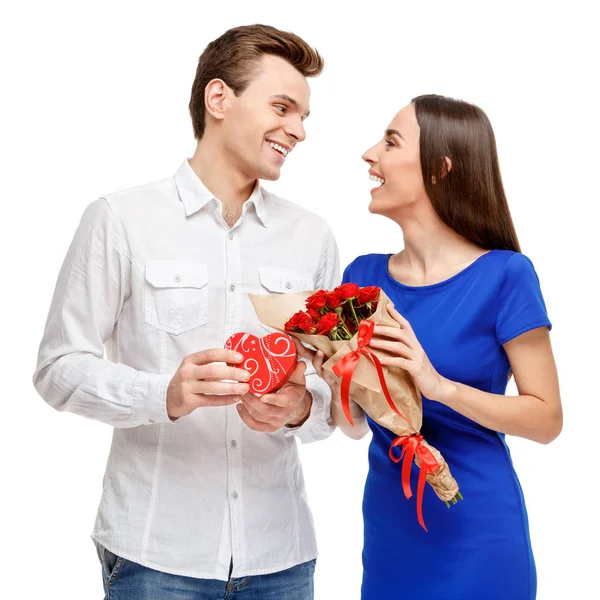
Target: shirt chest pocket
<point>175,295</point>
<point>276,280</point>
<point>284,281</point>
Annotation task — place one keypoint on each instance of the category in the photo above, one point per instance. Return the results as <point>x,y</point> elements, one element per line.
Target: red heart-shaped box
<point>270,360</point>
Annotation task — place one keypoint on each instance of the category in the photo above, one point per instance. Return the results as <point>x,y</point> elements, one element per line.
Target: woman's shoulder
<point>513,265</point>
<point>366,266</point>
<point>369,259</point>
<point>366,261</point>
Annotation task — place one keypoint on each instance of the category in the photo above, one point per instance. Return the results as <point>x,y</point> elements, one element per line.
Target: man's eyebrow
<point>289,99</point>
<point>389,132</point>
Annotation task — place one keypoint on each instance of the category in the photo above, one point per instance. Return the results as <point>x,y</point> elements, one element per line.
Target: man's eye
<point>281,108</point>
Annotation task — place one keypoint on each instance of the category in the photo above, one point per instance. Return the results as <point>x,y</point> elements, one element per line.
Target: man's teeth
<point>279,148</point>
<point>378,179</point>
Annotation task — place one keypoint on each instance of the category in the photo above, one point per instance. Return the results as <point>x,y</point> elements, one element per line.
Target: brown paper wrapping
<point>274,310</point>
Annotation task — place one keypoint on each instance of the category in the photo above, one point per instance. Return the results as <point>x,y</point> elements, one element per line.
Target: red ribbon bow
<point>345,369</point>
<point>411,445</point>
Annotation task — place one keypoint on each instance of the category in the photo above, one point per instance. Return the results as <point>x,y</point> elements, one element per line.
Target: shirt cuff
<point>319,424</point>
<point>149,392</point>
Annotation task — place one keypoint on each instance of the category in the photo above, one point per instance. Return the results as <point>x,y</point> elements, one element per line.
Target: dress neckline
<point>432,287</point>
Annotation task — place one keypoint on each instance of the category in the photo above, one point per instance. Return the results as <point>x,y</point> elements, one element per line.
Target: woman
<point>471,312</point>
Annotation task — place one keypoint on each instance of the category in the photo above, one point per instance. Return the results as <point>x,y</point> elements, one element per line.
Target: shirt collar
<point>195,195</point>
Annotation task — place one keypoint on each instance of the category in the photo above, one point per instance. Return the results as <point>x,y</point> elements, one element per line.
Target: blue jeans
<point>126,580</point>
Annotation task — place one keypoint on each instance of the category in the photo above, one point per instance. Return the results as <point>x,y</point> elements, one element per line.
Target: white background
<point>95,100</point>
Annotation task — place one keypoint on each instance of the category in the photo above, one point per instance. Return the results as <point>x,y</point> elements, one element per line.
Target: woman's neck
<point>432,250</point>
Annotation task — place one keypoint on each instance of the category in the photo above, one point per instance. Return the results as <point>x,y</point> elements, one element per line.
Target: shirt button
<point>216,204</point>
<point>177,279</point>
<point>230,235</point>
<point>232,287</point>
<point>234,495</point>
<point>233,443</point>
<point>288,285</point>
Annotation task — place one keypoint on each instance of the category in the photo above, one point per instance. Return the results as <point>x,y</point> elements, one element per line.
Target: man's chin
<point>270,174</point>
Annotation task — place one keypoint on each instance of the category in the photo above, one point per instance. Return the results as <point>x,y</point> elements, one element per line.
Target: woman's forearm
<point>523,416</point>
<point>360,428</point>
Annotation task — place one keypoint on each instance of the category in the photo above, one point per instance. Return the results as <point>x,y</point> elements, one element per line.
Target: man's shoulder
<point>147,196</point>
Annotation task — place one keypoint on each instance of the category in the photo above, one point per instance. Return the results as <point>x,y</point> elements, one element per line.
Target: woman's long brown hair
<point>469,198</point>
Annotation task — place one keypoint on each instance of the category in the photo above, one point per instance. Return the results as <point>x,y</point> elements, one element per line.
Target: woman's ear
<point>446,168</point>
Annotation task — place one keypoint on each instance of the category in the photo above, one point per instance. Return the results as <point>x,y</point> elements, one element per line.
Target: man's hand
<point>197,382</point>
<point>289,406</point>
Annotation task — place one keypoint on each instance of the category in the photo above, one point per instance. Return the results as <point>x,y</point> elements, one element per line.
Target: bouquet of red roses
<point>336,314</point>
<point>340,323</point>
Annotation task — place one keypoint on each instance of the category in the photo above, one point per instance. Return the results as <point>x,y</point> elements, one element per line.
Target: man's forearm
<point>303,416</point>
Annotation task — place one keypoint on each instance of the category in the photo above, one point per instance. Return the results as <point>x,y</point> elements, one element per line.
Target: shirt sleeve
<point>328,275</point>
<point>521,306</point>
<point>319,424</point>
<point>72,374</point>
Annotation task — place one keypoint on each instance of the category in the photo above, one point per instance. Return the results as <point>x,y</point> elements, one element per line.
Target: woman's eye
<point>389,144</point>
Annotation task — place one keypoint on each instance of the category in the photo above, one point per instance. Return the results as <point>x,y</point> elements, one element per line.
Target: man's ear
<point>215,96</point>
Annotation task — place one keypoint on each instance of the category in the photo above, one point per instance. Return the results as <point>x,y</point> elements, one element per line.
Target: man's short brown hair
<point>234,58</point>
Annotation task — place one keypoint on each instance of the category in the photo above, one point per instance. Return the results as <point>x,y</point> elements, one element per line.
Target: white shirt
<point>153,274</point>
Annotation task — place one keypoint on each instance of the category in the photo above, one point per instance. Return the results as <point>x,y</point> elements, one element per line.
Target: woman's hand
<point>407,353</point>
<point>316,358</point>
<point>361,426</point>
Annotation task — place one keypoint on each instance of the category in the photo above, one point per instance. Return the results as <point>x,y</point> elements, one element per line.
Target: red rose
<point>347,291</point>
<point>368,294</point>
<point>334,300</point>
<point>300,321</point>
<point>327,323</point>
<point>317,300</point>
<point>314,314</point>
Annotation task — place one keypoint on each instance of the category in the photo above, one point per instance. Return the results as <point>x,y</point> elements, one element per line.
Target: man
<point>203,493</point>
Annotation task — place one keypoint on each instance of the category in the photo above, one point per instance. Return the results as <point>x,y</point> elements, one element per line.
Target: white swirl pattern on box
<point>276,351</point>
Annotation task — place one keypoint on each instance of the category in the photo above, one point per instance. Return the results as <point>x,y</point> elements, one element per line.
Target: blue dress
<point>478,549</point>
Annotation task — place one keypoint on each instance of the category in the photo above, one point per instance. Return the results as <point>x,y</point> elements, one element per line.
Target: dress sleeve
<point>346,277</point>
<point>521,306</point>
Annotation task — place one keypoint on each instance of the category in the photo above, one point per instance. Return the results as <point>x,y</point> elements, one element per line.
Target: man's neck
<point>218,173</point>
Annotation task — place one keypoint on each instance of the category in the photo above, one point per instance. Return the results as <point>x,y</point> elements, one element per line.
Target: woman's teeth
<point>278,148</point>
<point>377,179</point>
